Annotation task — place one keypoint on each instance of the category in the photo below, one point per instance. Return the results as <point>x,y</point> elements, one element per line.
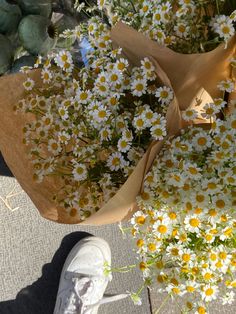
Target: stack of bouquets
<point>94,124</point>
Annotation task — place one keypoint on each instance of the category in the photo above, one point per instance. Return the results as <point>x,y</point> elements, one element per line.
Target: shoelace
<point>77,296</point>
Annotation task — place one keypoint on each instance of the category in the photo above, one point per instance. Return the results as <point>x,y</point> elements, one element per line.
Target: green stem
<point>163,303</point>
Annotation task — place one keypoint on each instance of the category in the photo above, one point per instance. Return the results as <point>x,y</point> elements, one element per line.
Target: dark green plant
<point>6,54</point>
<point>39,7</point>
<point>10,16</point>
<point>37,34</point>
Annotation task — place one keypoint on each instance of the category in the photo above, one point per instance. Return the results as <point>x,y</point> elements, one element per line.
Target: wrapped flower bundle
<point>92,126</point>
<point>186,226</point>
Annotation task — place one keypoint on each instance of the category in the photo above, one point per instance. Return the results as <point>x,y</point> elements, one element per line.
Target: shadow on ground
<point>40,297</point>
<point>4,170</point>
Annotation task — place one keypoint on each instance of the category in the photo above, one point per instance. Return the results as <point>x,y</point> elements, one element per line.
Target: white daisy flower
<point>225,29</point>
<point>228,298</point>
<point>211,186</point>
<point>201,141</point>
<point>105,134</point>
<point>83,96</point>
<point>201,309</point>
<point>192,171</point>
<point>63,113</point>
<point>139,123</point>
<point>189,114</point>
<point>80,172</point>
<point>187,256</point>
<point>115,77</point>
<point>192,223</point>
<point>101,89</point>
<point>121,64</point>
<point>64,137</point>
<point>127,134</point>
<point>147,65</point>
<point>116,161</point>
<point>54,147</point>
<point>158,132</point>
<point>227,86</point>
<point>209,292</point>
<point>175,179</point>
<point>101,114</point>
<point>145,9</point>
<point>29,84</point>
<point>210,110</point>
<point>162,227</point>
<point>62,58</point>
<point>46,75</point>
<point>164,95</point>
<point>149,116</point>
<point>191,286</point>
<point>182,30</point>
<point>123,145</point>
<point>138,87</point>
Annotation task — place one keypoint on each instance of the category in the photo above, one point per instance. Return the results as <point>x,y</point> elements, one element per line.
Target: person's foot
<point>83,283</point>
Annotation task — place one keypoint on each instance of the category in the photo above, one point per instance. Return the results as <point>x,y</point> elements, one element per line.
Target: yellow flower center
<point>207,276</point>
<point>142,266</point>
<point>212,212</point>
<point>211,186</point>
<point>194,222</point>
<point>175,251</point>
<point>233,124</point>
<point>202,141</point>
<point>208,237</point>
<point>182,28</point>
<point>164,94</point>
<point>225,29</point>
<point>152,247</point>
<point>209,291</point>
<point>139,87</point>
<point>140,220</point>
<point>201,310</point>
<point>121,66</point>
<point>186,257</point>
<point>220,204</point>
<point>116,161</point>
<point>114,77</point>
<point>83,96</point>
<point>102,88</point>
<point>140,243</point>
<point>176,290</point>
<point>64,58</point>
<point>102,114</point>
<point>158,132</point>
<point>162,229</point>
<point>190,289</point>
<point>113,101</point>
<point>172,215</point>
<point>54,146</point>
<point>80,170</point>
<point>223,255</point>
<point>193,170</point>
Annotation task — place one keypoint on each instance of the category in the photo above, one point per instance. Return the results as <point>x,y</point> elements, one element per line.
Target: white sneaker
<point>83,283</point>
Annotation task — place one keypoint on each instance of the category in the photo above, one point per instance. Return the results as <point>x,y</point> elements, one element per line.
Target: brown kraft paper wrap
<point>191,76</point>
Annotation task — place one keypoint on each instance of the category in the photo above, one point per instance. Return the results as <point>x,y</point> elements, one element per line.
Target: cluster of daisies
<point>92,124</point>
<point>187,26</point>
<point>185,229</point>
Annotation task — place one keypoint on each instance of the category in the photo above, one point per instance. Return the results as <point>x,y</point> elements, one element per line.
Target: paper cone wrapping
<point>191,77</point>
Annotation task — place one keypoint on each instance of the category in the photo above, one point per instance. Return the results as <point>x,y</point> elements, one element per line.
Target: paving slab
<point>33,250</point>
